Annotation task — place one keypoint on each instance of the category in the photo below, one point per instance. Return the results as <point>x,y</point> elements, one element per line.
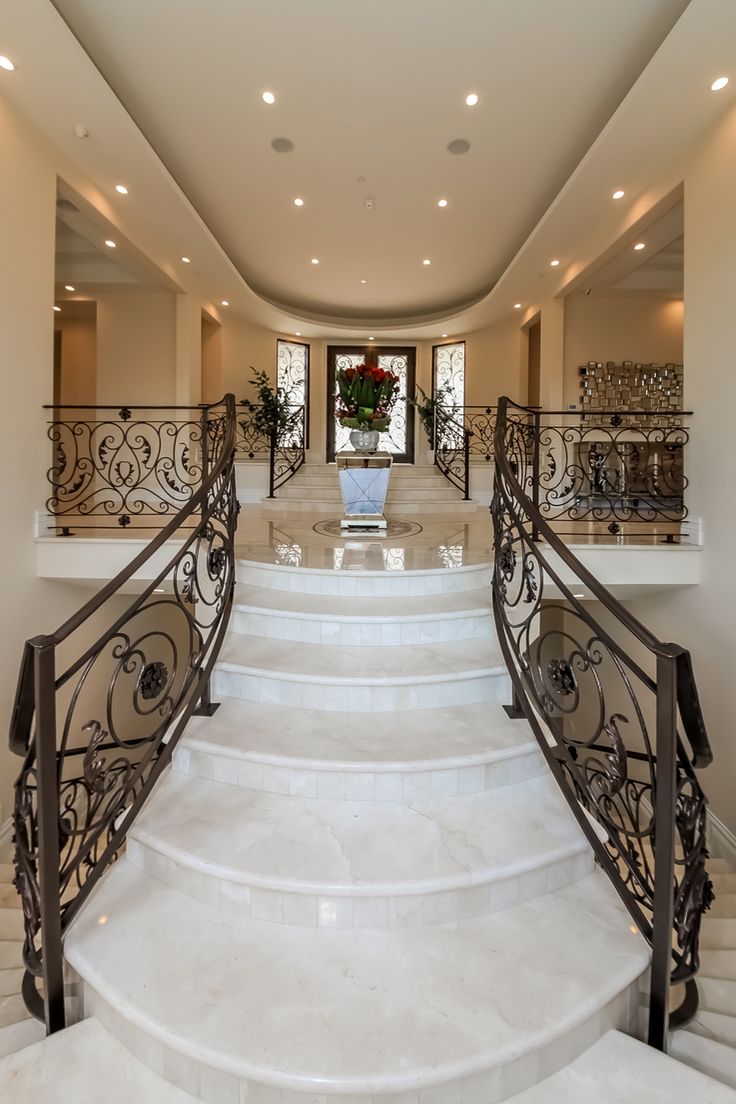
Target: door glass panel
<point>292,375</point>
<point>449,375</point>
<point>345,360</point>
<point>399,437</point>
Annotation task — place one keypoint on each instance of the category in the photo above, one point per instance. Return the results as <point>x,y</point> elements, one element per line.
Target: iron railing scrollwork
<point>283,446</point>
<point>615,712</point>
<point>452,447</point>
<point>102,702</point>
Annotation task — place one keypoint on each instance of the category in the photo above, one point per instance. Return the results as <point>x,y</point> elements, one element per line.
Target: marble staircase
<point>357,884</point>
<point>17,1029</point>
<point>413,489</point>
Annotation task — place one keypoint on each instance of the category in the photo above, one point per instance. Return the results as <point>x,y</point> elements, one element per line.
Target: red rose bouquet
<point>366,397</point>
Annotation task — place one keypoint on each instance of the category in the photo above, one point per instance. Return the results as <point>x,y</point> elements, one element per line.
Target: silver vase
<point>364,440</point>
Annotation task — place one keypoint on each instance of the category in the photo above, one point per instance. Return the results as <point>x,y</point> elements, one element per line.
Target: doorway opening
<point>401,360</point>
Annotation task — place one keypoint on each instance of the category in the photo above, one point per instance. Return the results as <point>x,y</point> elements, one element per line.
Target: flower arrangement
<point>367,395</point>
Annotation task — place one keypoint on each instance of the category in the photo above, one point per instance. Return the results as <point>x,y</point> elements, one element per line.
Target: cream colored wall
<point>78,375</point>
<point>136,348</point>
<point>703,618</point>
<point>643,328</point>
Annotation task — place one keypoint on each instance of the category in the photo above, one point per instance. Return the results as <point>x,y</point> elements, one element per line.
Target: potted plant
<point>273,414</point>
<point>426,407</point>
<point>366,398</point>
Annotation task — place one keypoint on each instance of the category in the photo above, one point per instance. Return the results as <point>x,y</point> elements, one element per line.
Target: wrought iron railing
<point>282,446</point>
<point>102,702</point>
<point>452,447</point>
<point>616,714</point>
<point>121,465</point>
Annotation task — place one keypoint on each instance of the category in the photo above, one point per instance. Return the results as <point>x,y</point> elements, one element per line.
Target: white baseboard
<point>721,840</point>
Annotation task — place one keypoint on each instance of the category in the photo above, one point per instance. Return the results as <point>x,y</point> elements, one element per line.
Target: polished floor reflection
<point>443,542</point>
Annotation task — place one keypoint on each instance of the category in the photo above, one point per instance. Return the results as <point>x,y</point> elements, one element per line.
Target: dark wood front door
<point>401,360</point>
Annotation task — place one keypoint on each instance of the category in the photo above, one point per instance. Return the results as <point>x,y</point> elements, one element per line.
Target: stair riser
<point>309,630</point>
<point>717,995</point>
<point>326,910</point>
<point>718,934</point>
<point>380,585</point>
<point>395,494</point>
<point>265,687</point>
<point>360,785</point>
<point>490,1086</point>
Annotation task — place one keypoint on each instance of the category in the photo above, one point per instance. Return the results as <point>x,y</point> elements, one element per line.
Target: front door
<point>399,437</point>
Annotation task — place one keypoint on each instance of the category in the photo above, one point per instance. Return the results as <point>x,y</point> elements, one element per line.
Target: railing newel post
<point>665,799</point>
<point>47,805</point>
<point>204,429</point>
<point>466,459</point>
<point>535,471</point>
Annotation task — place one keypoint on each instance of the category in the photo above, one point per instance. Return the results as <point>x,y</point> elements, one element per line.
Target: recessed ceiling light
<point>441,202</point>
<point>371,339</point>
<point>187,260</point>
<point>110,243</point>
<point>554,263</point>
<point>6,63</point>
<point>315,260</point>
<point>298,202</point>
<point>225,302</point>
<point>639,246</point>
<point>471,99</point>
<point>57,308</point>
<point>517,306</point>
<point>69,287</point>
<point>444,335</point>
<point>580,596</point>
<point>426,261</point>
<point>121,188</point>
<point>618,194</point>
<point>718,84</point>
<point>364,281</point>
<point>268,97</point>
<point>297,333</point>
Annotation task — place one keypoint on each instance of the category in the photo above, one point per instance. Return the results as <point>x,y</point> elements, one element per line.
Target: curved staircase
<point>358,883</point>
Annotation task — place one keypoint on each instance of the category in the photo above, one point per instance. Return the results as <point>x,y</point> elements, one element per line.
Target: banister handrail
<point>96,735</point>
<point>607,727</point>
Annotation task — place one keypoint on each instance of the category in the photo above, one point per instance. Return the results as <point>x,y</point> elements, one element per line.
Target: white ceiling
<point>372,90</point>
<point>658,269</point>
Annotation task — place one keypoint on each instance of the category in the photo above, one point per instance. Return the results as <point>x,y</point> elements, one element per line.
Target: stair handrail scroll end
<point>97,723</point>
<point>616,714</point>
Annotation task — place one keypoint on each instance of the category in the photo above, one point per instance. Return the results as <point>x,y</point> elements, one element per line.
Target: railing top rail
<point>192,505</point>
<point>133,406</point>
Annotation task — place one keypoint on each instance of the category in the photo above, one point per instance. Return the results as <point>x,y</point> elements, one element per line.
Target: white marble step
<point>331,864</point>
<point>331,507</point>
<point>12,1009</point>
<point>11,923</point>
<point>409,755</point>
<point>84,1064</point>
<point>720,867</point>
<point>718,964</point>
<point>715,1059</point>
<point>723,883</point>
<point>10,980</point>
<point>9,896</point>
<point>363,584</point>
<point>621,1070</point>
<point>396,494</point>
<point>11,953</point>
<point>718,933</point>
<point>724,905</point>
<point>381,622</point>
<point>330,677</point>
<point>714,1025</point>
<point>14,1037</point>
<point>717,994</point>
<point>399,479</point>
<point>448,1012</point>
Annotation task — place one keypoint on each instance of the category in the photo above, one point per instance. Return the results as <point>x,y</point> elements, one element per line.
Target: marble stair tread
<point>371,562</point>
<point>11,953</point>
<point>717,995</point>
<point>718,933</point>
<point>718,964</point>
<point>714,1025</point>
<point>84,1064</point>
<point>723,883</point>
<point>10,979</point>
<point>724,905</point>
<point>11,923</point>
<point>310,845</point>
<point>618,1070</point>
<point>718,1060</point>
<point>354,665</point>
<point>443,738</point>
<point>14,1037</point>
<point>358,1012</point>
<point>319,607</point>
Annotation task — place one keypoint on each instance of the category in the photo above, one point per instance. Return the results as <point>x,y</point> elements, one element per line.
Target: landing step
<point>416,754</point>
<point>619,1070</point>
<point>369,1012</point>
<point>710,1057</point>
<point>84,1064</point>
<point>333,864</point>
<point>381,622</point>
<point>14,1037</point>
<point>358,583</point>
<point>326,676</point>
